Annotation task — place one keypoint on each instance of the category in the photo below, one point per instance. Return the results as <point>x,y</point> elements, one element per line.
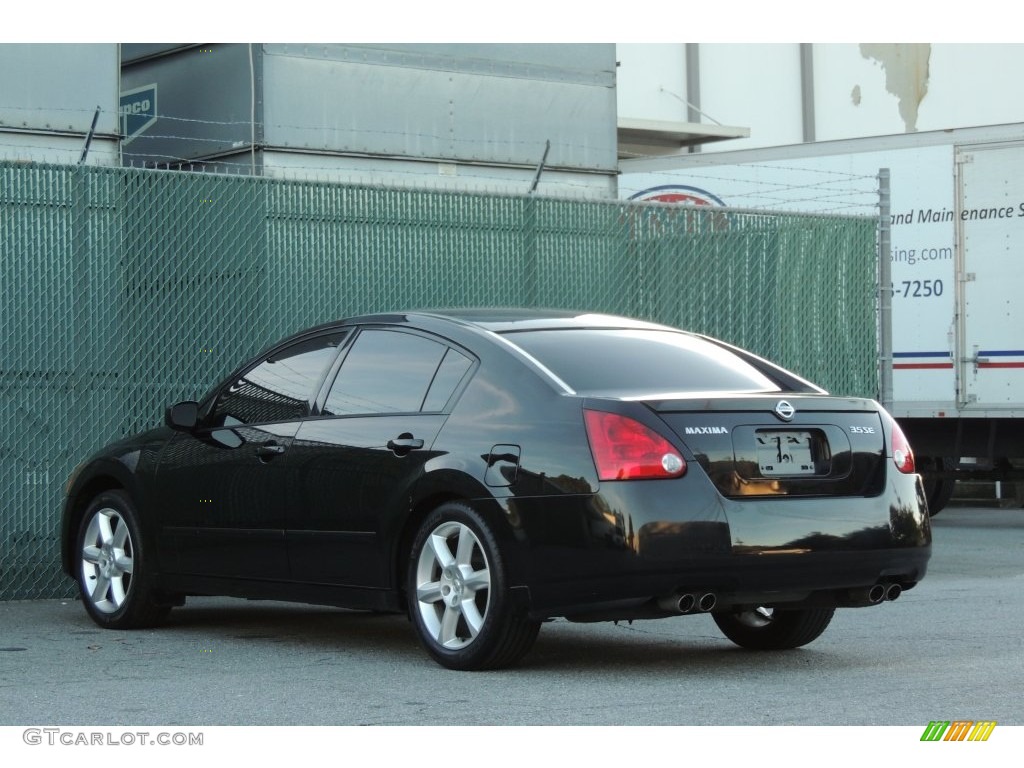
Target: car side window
<point>449,374</point>
<point>280,387</point>
<point>385,372</point>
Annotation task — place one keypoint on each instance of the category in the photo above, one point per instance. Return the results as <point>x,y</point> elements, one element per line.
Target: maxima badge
<point>784,410</point>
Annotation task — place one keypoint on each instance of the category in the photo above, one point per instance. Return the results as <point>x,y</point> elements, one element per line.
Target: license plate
<point>787,452</point>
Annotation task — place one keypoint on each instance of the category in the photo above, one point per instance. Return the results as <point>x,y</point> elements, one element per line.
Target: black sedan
<point>486,470</point>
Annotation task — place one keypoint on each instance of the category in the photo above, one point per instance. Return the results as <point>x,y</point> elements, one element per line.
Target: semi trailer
<point>954,236</point>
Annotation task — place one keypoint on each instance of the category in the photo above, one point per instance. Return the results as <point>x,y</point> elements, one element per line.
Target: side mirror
<point>183,416</point>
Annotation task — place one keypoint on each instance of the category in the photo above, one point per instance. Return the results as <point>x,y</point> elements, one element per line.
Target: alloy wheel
<point>108,560</point>
<point>453,585</point>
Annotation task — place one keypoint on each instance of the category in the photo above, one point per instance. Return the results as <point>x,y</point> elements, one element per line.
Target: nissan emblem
<point>784,410</point>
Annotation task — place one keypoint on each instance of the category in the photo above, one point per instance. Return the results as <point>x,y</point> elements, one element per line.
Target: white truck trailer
<point>957,272</point>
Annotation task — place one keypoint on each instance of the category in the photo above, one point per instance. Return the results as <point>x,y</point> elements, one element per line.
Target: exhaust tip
<point>707,602</point>
<point>678,603</point>
<point>877,593</point>
<point>893,591</point>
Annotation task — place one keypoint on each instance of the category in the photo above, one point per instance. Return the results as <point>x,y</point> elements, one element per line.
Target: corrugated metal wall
<point>49,96</point>
<point>437,114</point>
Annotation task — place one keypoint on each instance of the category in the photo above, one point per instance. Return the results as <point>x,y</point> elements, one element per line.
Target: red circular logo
<point>678,193</point>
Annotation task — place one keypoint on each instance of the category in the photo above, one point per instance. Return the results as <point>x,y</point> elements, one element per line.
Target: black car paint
<point>572,545</point>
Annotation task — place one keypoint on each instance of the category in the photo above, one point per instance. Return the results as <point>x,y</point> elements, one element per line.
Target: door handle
<point>269,450</point>
<point>404,442</point>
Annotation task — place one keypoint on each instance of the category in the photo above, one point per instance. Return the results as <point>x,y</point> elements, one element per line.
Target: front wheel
<point>113,575</point>
<point>458,594</point>
<point>770,629</point>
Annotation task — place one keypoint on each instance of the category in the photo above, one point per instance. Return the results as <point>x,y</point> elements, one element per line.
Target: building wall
<point>455,116</point>
<point>858,90</point>
<point>48,97</point>
<point>651,81</point>
<point>745,84</point>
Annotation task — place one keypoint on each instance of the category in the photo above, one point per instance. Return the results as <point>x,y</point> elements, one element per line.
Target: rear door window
<point>386,372</point>
<point>449,375</point>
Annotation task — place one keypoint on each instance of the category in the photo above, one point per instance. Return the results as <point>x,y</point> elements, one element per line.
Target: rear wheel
<point>458,595</point>
<point>769,629</point>
<point>113,571</point>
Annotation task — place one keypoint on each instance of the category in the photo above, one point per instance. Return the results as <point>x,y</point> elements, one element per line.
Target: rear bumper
<point>788,581</point>
<point>617,553</point>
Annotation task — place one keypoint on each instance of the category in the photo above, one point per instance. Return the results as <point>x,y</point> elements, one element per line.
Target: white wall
<point>850,97</point>
<point>973,85</point>
<point>755,86</point>
<point>859,89</point>
<point>651,81</point>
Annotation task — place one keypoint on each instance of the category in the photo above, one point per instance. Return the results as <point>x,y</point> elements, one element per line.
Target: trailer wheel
<point>938,487</point>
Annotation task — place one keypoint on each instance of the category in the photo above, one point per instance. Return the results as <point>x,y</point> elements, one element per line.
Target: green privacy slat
<point>125,290</point>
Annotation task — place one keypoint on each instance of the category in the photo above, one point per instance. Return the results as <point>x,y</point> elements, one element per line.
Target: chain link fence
<point>126,290</point>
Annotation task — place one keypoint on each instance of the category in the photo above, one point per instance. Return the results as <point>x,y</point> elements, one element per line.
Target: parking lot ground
<point>950,649</point>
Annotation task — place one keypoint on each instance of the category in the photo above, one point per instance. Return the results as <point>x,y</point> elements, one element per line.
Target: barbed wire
<point>384,178</point>
<point>224,150</point>
<point>759,186</point>
<point>842,202</point>
<point>536,145</point>
<point>225,140</point>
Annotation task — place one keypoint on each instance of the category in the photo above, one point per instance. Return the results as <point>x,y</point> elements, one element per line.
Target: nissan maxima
<point>486,470</point>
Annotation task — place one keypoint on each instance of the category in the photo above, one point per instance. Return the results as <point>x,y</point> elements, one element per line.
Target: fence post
<point>885,288</point>
<point>531,259</point>
<point>81,303</point>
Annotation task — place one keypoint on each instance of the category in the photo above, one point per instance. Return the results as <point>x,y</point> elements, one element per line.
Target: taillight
<point>625,449</point>
<point>902,455</point>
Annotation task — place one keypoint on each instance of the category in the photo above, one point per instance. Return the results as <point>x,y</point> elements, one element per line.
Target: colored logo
<point>678,193</point>
<point>958,730</point>
<point>657,222</point>
<point>138,111</point>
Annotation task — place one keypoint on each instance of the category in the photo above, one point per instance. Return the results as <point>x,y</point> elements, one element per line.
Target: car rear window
<point>639,363</point>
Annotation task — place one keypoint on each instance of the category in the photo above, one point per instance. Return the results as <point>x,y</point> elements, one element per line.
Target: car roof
<point>515,319</point>
<point>505,319</point>
<point>509,320</point>
<point>492,319</point>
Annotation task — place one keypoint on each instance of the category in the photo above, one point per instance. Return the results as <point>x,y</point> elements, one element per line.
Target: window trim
<point>335,369</point>
<point>207,407</point>
<point>457,389</point>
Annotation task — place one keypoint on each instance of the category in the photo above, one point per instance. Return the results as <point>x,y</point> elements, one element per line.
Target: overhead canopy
<point>643,138</point>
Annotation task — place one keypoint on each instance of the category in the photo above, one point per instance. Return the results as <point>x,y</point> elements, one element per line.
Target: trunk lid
<point>794,445</point>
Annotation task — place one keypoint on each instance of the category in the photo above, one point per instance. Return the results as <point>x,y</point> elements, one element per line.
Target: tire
<point>458,594</point>
<point>938,488</point>
<point>113,571</point>
<point>768,629</point>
